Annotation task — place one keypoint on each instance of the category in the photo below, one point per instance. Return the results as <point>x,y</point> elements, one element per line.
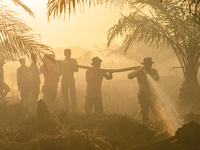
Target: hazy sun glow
<point>86,30</point>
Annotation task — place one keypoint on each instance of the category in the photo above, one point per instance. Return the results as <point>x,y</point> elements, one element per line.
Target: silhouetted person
<point>50,73</point>
<point>68,82</point>
<point>94,78</point>
<point>23,81</point>
<point>4,88</point>
<point>35,82</point>
<point>145,94</point>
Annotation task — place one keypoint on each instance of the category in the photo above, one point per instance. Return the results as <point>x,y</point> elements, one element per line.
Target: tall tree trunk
<point>190,92</point>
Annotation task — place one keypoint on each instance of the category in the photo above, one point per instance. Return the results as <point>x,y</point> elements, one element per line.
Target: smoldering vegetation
<point>119,128</point>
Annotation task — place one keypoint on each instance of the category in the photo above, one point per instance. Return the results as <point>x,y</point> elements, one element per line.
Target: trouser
<point>25,95</point>
<point>49,95</point>
<point>4,89</point>
<point>97,102</point>
<point>67,88</point>
<point>147,101</point>
<point>35,90</point>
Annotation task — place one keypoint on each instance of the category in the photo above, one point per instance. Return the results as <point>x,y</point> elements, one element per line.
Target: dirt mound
<point>78,131</point>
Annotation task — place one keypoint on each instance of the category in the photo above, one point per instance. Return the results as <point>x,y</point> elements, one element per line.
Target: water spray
<point>166,111</point>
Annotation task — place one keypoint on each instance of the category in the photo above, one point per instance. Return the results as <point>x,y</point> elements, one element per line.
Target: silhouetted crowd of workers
<point>28,81</point>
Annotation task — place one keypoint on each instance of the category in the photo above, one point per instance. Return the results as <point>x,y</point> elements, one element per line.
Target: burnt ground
<point>22,130</point>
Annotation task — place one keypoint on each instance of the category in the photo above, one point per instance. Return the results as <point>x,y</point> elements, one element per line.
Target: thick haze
<point>88,32</point>
<point>85,30</point>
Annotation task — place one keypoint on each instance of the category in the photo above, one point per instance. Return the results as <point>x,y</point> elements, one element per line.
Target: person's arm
<point>134,73</point>
<point>75,68</point>
<point>108,76</point>
<point>18,80</point>
<point>154,74</point>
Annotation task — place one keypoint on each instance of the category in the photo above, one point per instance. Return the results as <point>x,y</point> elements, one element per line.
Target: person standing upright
<point>145,95</point>
<point>4,88</point>
<point>50,73</point>
<point>35,82</point>
<point>94,78</point>
<point>68,81</point>
<point>23,81</point>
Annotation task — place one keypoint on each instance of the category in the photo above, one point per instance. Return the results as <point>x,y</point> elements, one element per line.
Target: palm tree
<point>191,8</point>
<point>165,24</point>
<point>16,39</point>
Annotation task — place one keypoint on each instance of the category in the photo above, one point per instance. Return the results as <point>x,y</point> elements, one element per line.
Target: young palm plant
<point>165,23</point>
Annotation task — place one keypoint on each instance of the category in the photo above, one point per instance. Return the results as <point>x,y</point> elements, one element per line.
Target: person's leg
<point>64,90</point>
<point>144,107</point>
<point>88,105</point>
<point>25,95</point>
<point>72,89</point>
<point>98,106</point>
<point>45,94</point>
<point>35,89</point>
<point>144,112</point>
<point>52,94</point>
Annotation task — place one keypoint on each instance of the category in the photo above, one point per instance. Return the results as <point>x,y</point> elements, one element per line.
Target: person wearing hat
<point>23,81</point>
<point>67,69</point>
<point>4,88</point>
<point>94,78</point>
<point>145,94</point>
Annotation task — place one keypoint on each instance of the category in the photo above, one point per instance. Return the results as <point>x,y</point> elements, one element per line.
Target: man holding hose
<point>94,78</point>
<point>145,95</point>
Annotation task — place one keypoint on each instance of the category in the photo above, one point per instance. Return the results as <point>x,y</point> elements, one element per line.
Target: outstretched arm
<point>134,73</point>
<point>75,68</point>
<point>109,75</point>
<point>154,74</point>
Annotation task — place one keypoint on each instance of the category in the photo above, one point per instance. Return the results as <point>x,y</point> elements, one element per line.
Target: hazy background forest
<point>86,35</point>
<point>120,93</point>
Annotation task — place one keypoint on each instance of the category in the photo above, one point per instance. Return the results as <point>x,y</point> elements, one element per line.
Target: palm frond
<point>20,3</point>
<point>57,8</point>
<point>15,37</point>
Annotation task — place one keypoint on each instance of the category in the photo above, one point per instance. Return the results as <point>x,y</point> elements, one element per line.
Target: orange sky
<point>85,30</point>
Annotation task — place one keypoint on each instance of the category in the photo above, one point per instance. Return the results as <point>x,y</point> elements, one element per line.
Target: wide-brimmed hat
<point>96,60</point>
<point>147,60</point>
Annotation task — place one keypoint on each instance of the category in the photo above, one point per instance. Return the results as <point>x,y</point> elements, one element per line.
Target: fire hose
<point>108,70</point>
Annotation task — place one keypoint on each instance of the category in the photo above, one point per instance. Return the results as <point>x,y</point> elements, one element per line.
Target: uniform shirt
<point>142,79</point>
<point>35,73</point>
<point>67,71</point>
<point>50,73</point>
<point>23,76</point>
<point>94,81</point>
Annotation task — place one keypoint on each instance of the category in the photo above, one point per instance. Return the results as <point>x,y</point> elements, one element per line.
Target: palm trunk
<point>190,91</point>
